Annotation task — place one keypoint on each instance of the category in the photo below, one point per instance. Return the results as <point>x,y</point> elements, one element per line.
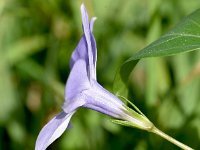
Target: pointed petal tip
<point>94,19</point>
<point>82,5</point>
<point>83,9</point>
<point>84,12</point>
<point>92,23</point>
<point>52,130</point>
<point>85,20</point>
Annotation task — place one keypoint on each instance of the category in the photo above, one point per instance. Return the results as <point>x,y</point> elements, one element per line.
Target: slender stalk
<point>139,120</point>
<point>170,139</point>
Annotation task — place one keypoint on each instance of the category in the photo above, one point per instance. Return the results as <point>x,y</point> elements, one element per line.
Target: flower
<point>82,90</point>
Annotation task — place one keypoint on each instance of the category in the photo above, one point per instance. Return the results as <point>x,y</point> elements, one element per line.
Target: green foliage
<point>36,41</point>
<point>185,37</point>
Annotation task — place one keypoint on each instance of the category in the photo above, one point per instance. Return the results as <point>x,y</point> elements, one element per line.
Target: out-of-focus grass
<point>36,41</point>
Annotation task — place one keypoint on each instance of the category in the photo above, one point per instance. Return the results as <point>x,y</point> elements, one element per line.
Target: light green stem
<point>139,120</point>
<point>170,139</point>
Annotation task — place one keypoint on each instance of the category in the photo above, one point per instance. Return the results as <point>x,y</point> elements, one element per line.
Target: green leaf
<point>184,37</point>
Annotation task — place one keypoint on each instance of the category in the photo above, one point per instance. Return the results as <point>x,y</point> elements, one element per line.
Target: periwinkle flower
<point>82,90</point>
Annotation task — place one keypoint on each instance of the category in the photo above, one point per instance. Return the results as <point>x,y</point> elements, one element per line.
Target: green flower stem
<point>139,120</point>
<point>170,139</point>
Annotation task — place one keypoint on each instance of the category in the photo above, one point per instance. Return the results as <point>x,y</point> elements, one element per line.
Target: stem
<point>170,139</point>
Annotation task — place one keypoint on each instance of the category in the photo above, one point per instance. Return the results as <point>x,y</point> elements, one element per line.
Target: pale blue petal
<point>77,82</point>
<point>80,52</point>
<point>93,42</point>
<point>92,23</point>
<point>86,49</point>
<point>94,52</point>
<point>88,33</point>
<point>52,130</point>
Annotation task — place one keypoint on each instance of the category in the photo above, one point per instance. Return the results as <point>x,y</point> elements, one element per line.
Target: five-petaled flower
<point>82,89</point>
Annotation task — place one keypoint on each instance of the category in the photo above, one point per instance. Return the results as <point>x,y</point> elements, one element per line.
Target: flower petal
<point>88,33</point>
<point>86,48</point>
<point>77,82</point>
<point>80,52</point>
<point>52,130</point>
<point>92,23</point>
<point>94,51</point>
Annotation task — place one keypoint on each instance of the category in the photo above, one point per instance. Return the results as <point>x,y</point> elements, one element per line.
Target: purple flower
<point>82,89</point>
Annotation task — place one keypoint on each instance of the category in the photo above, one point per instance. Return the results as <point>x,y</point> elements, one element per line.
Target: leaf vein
<point>170,39</point>
<point>196,23</point>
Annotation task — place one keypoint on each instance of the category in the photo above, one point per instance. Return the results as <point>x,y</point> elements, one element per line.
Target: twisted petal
<point>92,23</point>
<point>83,66</point>
<point>77,82</point>
<point>94,52</point>
<point>88,36</point>
<point>52,130</point>
<point>81,51</point>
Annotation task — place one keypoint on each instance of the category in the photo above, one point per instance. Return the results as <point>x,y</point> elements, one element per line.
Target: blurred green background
<point>36,41</point>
